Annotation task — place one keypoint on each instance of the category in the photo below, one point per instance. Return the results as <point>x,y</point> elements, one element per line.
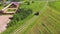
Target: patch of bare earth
<point>4,19</point>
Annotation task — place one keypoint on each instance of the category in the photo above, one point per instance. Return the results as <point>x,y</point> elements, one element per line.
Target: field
<point>1,6</point>
<point>47,22</point>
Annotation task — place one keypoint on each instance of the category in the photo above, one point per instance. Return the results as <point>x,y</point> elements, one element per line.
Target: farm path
<point>4,19</point>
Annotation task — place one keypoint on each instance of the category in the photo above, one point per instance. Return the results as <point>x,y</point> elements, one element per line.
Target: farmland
<point>1,6</point>
<point>25,21</point>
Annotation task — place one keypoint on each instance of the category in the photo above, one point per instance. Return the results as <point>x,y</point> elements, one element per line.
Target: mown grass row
<point>55,5</point>
<point>51,20</point>
<point>50,28</point>
<point>48,24</point>
<point>56,22</point>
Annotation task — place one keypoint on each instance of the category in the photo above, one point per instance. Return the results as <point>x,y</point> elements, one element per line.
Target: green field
<point>47,22</point>
<point>1,6</point>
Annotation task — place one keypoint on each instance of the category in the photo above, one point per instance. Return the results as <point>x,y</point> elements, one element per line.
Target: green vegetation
<point>15,0</point>
<point>11,10</point>
<point>33,6</point>
<point>55,5</point>
<point>23,12</point>
<point>20,15</point>
<point>1,6</point>
<point>18,19</point>
<point>25,22</point>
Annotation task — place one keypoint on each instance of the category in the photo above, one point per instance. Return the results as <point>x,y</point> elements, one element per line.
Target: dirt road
<point>4,19</point>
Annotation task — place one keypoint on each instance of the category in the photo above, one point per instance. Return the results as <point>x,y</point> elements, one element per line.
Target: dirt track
<point>4,19</point>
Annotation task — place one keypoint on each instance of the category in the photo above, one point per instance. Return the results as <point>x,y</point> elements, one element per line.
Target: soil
<point>4,19</point>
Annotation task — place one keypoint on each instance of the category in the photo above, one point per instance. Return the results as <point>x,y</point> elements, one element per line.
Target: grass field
<point>1,6</point>
<point>47,22</point>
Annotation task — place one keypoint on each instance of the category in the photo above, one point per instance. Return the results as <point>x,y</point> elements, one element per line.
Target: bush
<point>1,4</point>
<point>21,14</point>
<point>32,1</point>
<point>28,3</point>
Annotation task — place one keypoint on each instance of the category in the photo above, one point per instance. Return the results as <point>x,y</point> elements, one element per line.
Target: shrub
<point>1,4</point>
<point>36,13</point>
<point>21,14</point>
<point>32,1</point>
<point>28,3</point>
